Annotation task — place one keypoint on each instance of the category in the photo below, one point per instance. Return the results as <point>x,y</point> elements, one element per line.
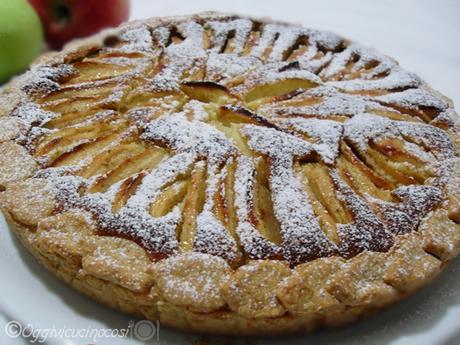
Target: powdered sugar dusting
<point>322,92</point>
<point>254,244</point>
<point>45,79</point>
<point>367,232</point>
<point>183,135</point>
<point>413,99</point>
<point>33,115</point>
<point>361,128</point>
<point>138,40</point>
<point>327,135</point>
<point>303,238</point>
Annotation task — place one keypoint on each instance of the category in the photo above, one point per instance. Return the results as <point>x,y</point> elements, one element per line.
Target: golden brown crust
<point>251,291</point>
<point>306,316</point>
<point>181,280</point>
<point>228,293</point>
<point>15,163</point>
<point>304,291</point>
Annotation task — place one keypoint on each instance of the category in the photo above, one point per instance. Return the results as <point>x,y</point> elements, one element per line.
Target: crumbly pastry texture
<point>231,175</point>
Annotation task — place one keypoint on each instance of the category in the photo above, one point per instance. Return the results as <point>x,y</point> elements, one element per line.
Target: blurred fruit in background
<point>21,37</point>
<point>22,32</point>
<point>64,20</point>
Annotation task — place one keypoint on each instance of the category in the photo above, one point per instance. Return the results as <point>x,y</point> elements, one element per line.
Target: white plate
<point>423,36</point>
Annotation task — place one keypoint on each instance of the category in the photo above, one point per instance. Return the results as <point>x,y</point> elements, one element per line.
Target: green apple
<point>21,37</point>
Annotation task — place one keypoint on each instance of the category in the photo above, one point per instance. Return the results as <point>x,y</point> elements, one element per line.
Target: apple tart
<point>231,175</point>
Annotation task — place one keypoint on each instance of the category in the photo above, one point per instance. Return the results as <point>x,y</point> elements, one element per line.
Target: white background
<point>424,35</point>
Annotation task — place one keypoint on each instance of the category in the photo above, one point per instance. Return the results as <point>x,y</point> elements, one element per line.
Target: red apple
<point>65,20</point>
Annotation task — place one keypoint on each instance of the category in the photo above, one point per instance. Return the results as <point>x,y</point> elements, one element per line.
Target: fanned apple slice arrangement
<point>257,143</point>
<point>292,158</point>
